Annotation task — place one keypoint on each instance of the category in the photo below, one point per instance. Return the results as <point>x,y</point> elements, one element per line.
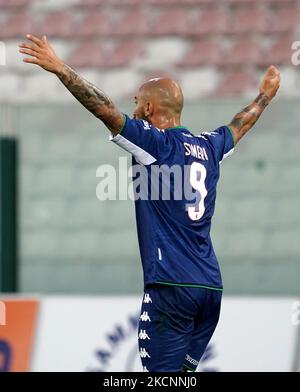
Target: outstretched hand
<point>270,83</point>
<point>41,53</point>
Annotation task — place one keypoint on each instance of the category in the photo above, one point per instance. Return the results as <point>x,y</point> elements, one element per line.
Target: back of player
<point>183,286</point>
<point>181,275</point>
<point>187,172</point>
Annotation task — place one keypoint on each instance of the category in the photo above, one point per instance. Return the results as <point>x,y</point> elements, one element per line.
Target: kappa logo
<point>147,298</point>
<point>202,137</point>
<point>145,369</point>
<point>212,133</point>
<point>187,134</point>
<point>143,335</point>
<point>146,125</point>
<point>145,317</point>
<point>143,353</point>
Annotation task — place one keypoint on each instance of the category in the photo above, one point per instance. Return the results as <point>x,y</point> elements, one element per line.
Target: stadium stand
<point>97,34</point>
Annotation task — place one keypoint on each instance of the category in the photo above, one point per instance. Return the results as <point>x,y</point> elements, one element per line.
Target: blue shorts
<point>175,326</point>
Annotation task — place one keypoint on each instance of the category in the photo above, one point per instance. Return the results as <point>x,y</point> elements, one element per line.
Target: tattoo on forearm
<point>245,119</point>
<point>92,98</point>
<point>262,101</point>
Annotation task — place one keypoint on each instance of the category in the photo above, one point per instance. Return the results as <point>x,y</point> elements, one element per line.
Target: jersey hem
<point>189,368</point>
<point>190,285</point>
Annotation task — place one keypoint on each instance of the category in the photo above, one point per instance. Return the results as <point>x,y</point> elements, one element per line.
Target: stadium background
<point>69,241</point>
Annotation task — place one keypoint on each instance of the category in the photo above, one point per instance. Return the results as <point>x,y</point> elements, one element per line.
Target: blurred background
<point>56,236</point>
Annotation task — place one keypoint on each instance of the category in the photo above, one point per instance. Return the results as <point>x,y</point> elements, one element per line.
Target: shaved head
<point>165,92</point>
<point>160,102</point>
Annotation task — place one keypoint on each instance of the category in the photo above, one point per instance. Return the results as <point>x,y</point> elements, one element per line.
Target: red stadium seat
<point>92,3</point>
<point>249,21</point>
<point>94,24</point>
<point>124,54</point>
<point>243,52</point>
<point>91,54</point>
<point>167,2</point>
<point>124,2</point>
<point>242,2</point>
<point>203,53</point>
<point>14,3</point>
<point>95,3</point>
<point>172,21</point>
<point>285,20</point>
<point>210,21</point>
<point>279,53</point>
<point>236,83</point>
<point>57,24</point>
<point>132,22</point>
<point>17,25</point>
<point>181,2</point>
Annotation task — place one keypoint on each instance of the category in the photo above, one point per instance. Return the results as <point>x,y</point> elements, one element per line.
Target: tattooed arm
<point>92,98</point>
<point>244,121</point>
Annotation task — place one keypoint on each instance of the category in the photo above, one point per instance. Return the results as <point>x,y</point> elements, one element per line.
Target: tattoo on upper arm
<point>91,97</point>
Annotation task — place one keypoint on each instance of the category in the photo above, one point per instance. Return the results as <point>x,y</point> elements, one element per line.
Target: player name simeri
<point>195,151</point>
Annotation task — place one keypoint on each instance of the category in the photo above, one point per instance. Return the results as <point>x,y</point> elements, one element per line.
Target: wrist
<point>59,69</point>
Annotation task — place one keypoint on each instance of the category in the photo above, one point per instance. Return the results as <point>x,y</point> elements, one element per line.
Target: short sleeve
<point>221,142</point>
<point>145,142</point>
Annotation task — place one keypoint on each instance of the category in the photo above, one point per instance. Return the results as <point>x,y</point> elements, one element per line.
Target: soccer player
<point>183,286</point>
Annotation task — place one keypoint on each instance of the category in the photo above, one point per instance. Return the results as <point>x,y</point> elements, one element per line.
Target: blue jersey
<point>174,229</point>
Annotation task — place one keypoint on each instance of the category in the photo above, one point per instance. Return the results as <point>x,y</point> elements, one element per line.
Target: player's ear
<point>149,109</point>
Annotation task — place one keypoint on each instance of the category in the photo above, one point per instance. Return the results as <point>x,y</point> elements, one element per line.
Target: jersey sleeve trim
<point>231,151</point>
<point>124,123</point>
<point>231,132</point>
<point>141,156</point>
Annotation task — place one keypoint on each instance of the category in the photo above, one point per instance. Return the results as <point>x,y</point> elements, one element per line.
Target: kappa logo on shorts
<point>143,335</point>
<point>143,353</point>
<point>145,317</point>
<point>147,298</point>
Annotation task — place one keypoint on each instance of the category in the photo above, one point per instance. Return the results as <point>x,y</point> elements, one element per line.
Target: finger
<point>28,46</point>
<point>44,38</point>
<point>30,52</point>
<point>34,39</point>
<point>32,60</point>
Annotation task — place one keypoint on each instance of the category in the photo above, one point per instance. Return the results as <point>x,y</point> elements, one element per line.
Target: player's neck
<point>163,122</point>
